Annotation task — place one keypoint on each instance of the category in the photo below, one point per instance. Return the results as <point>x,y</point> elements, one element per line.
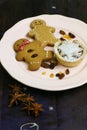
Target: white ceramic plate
<point>19,71</point>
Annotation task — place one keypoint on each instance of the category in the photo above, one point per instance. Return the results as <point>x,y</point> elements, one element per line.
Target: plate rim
<point>36,86</point>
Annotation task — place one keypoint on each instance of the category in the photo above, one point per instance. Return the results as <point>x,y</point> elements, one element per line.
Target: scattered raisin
<point>57,74</point>
<point>60,75</point>
<point>62,39</point>
<point>71,35</point>
<point>67,71</point>
<point>45,65</point>
<point>62,32</point>
<point>52,65</point>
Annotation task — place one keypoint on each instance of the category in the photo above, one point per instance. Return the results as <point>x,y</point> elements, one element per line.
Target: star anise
<point>15,98</point>
<point>17,95</point>
<point>27,107</point>
<point>28,99</point>
<point>37,108</point>
<point>15,88</point>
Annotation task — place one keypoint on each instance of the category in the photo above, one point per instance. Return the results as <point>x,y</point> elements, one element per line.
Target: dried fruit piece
<point>62,39</point>
<point>62,32</point>
<point>45,65</point>
<point>71,35</point>
<point>60,75</point>
<point>67,71</point>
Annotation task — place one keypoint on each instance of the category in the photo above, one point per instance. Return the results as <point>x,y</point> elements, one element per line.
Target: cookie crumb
<point>44,73</point>
<point>52,75</point>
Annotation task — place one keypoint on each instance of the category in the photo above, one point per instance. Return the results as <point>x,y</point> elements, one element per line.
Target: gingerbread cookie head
<point>19,44</point>
<point>39,31</point>
<point>33,54</point>
<point>37,22</point>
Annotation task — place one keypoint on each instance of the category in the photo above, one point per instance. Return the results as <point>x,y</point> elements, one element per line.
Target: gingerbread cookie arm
<point>48,55</point>
<point>31,33</point>
<point>51,29</point>
<point>19,56</point>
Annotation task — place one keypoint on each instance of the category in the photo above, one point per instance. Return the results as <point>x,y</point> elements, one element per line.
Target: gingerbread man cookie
<point>39,31</point>
<point>33,54</point>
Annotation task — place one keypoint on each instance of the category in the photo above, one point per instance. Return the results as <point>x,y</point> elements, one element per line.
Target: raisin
<point>62,39</point>
<point>67,71</point>
<point>52,65</point>
<point>57,74</point>
<point>45,65</point>
<point>71,35</point>
<point>60,75</point>
<point>62,32</point>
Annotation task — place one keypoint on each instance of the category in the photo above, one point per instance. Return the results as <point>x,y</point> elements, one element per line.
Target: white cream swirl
<point>69,50</point>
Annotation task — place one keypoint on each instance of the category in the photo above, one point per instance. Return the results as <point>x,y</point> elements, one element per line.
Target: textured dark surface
<point>65,110</point>
<point>11,11</point>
